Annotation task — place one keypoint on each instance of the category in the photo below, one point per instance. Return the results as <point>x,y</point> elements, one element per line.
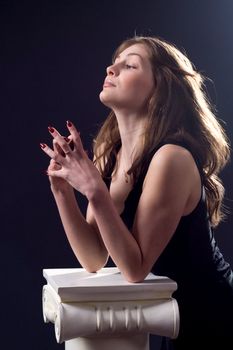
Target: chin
<point>103,98</point>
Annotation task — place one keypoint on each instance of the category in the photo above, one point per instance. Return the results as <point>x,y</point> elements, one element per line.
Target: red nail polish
<point>67,139</point>
<point>69,123</point>
<point>51,129</point>
<point>42,145</point>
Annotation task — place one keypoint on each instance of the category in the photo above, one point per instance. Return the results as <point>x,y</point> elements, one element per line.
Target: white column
<point>102,311</point>
<point>130,342</point>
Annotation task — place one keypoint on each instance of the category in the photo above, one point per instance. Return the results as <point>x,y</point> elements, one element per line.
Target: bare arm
<point>171,189</point>
<point>83,236</point>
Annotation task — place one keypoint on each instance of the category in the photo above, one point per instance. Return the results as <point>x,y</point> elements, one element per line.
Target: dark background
<point>53,60</point>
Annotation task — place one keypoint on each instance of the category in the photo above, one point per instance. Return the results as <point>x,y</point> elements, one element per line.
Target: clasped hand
<point>70,163</point>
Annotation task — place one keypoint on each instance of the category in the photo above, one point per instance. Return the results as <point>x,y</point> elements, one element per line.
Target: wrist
<point>97,192</point>
<point>64,190</point>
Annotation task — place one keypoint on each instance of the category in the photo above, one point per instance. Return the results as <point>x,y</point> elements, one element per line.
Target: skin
<point>171,189</point>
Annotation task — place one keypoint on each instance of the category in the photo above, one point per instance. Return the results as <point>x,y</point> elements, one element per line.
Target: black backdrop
<point>53,59</point>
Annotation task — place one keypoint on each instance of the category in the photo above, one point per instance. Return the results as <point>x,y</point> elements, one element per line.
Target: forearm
<point>120,243</point>
<point>84,240</point>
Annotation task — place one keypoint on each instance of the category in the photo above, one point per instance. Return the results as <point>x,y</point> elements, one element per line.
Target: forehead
<point>139,50</point>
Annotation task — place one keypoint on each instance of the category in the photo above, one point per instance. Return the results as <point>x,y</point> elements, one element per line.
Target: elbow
<point>134,276</point>
<point>135,280</point>
<point>90,270</point>
<point>136,272</point>
<point>93,266</point>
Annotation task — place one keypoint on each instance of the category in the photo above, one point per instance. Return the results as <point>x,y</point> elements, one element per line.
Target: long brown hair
<point>178,111</point>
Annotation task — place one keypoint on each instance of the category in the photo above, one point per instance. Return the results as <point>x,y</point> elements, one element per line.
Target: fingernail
<point>69,123</point>
<point>51,129</point>
<point>42,145</point>
<point>67,139</point>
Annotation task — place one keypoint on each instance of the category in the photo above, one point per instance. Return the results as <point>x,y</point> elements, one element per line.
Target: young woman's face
<point>129,82</point>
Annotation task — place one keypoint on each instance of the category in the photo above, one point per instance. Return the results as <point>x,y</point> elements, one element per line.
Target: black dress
<point>205,280</point>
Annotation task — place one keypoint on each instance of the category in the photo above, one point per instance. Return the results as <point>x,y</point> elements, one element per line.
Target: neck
<point>131,128</point>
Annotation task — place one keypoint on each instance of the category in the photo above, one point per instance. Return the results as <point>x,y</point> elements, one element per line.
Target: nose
<point>111,70</point>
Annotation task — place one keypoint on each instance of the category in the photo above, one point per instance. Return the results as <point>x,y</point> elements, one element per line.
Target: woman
<point>153,191</point>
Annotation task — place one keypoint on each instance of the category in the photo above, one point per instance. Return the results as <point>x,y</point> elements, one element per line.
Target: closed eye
<point>129,66</point>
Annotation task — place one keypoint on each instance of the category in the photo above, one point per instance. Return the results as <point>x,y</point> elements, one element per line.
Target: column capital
<point>82,304</point>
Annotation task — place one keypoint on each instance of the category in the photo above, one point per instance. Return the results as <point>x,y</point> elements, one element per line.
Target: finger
<point>53,131</point>
<point>54,173</point>
<point>57,148</point>
<point>60,140</point>
<point>54,165</point>
<point>70,141</point>
<point>51,153</point>
<point>66,138</point>
<point>75,136</point>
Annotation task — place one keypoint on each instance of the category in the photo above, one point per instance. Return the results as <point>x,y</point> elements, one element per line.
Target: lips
<point>108,83</point>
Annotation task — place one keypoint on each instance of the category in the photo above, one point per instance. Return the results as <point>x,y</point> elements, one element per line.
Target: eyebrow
<point>131,54</point>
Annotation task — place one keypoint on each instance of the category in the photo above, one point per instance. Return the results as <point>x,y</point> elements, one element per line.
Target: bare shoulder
<point>173,153</point>
<point>173,171</point>
<point>173,160</point>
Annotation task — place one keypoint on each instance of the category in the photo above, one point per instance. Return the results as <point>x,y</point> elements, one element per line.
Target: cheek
<point>141,88</point>
<point>141,82</point>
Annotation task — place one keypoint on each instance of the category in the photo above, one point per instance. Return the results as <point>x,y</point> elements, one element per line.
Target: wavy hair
<point>178,111</point>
